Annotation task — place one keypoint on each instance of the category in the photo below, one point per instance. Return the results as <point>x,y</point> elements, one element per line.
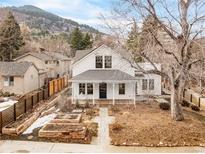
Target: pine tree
<point>149,29</point>
<point>77,39</point>
<point>10,38</point>
<point>133,41</point>
<point>87,42</point>
<point>133,38</point>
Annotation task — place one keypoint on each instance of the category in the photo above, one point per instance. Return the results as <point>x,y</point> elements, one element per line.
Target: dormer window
<point>99,62</point>
<point>108,61</point>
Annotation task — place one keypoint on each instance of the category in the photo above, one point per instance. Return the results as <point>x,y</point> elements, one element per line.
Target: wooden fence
<point>27,103</point>
<point>195,98</point>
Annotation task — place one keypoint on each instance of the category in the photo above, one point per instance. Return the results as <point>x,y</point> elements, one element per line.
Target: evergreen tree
<point>87,42</point>
<point>10,38</point>
<point>77,39</point>
<point>149,29</point>
<point>133,38</point>
<point>133,41</point>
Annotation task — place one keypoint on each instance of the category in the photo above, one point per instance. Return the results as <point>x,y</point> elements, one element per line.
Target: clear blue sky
<point>82,11</point>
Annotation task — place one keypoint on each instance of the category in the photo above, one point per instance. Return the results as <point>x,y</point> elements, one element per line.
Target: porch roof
<point>103,75</point>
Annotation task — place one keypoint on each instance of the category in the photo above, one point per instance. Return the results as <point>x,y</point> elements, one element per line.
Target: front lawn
<point>147,125</point>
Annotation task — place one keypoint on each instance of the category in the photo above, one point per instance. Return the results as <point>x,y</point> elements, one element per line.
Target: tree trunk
<point>176,110</point>
<point>176,98</point>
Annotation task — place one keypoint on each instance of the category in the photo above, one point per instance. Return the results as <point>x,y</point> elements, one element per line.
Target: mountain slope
<point>36,18</point>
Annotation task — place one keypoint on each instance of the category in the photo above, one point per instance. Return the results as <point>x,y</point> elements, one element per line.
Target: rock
<point>160,143</point>
<point>30,137</point>
<point>124,143</point>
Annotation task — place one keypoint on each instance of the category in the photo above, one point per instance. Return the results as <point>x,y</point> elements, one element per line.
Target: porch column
<point>93,93</point>
<point>134,95</point>
<point>113,94</point>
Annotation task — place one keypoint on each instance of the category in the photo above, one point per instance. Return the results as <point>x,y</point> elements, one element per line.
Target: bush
<point>117,127</point>
<point>115,109</point>
<point>185,103</point>
<point>164,106</point>
<point>195,108</point>
<point>87,105</point>
<point>77,104</point>
<point>90,112</point>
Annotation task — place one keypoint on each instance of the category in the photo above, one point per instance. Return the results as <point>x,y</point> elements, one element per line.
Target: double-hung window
<point>151,84</point>
<point>108,61</point>
<point>144,84</point>
<point>99,62</point>
<point>89,88</point>
<point>8,81</point>
<point>121,88</point>
<point>82,88</point>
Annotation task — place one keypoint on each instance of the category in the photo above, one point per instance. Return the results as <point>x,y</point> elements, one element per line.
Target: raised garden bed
<point>26,120</point>
<point>20,125</point>
<point>67,118</point>
<point>72,132</point>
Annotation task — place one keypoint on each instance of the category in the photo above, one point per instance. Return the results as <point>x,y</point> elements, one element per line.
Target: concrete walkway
<point>101,144</point>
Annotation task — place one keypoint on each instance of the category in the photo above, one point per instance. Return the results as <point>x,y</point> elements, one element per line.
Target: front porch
<point>109,85</point>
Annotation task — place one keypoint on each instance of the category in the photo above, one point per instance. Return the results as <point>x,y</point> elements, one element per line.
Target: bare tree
<point>182,21</point>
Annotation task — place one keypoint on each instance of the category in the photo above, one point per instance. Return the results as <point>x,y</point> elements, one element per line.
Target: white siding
<point>118,63</point>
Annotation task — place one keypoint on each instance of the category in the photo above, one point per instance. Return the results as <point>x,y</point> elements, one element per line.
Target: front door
<point>103,90</point>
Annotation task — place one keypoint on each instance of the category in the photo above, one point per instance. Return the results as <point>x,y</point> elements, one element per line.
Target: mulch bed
<point>147,125</point>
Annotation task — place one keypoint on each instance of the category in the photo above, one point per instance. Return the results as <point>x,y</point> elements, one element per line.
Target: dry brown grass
<point>147,125</point>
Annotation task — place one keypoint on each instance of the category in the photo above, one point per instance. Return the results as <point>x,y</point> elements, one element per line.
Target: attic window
<point>108,61</point>
<point>99,62</point>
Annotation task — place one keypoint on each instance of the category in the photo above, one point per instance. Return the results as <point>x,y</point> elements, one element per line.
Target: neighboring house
<point>18,77</point>
<point>103,73</point>
<point>49,64</point>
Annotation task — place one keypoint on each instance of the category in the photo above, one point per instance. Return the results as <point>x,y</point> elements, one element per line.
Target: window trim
<point>98,63</point>
<point>124,89</point>
<point>143,84</point>
<point>91,88</point>
<point>106,61</point>
<point>151,87</point>
<point>8,81</point>
<point>81,88</point>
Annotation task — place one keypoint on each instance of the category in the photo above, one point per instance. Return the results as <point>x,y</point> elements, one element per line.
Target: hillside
<point>41,20</point>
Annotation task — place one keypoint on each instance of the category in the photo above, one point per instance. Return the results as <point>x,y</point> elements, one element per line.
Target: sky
<point>83,11</point>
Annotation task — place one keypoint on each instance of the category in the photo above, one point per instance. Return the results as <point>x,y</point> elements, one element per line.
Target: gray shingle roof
<point>103,75</point>
<point>82,53</point>
<point>14,68</point>
<point>57,55</point>
<point>46,56</point>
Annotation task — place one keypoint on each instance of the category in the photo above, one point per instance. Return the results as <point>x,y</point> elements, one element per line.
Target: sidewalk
<point>37,147</point>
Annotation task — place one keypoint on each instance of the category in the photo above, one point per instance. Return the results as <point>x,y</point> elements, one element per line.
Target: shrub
<point>164,106</point>
<point>90,112</point>
<point>87,105</point>
<point>117,127</point>
<point>77,104</point>
<point>115,109</point>
<point>185,103</point>
<point>195,108</point>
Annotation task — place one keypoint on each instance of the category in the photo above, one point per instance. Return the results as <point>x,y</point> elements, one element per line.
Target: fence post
<point>1,124</point>
<point>184,92</point>
<point>14,111</point>
<point>24,105</point>
<point>32,101</point>
<point>191,98</point>
<point>199,104</point>
<point>38,97</point>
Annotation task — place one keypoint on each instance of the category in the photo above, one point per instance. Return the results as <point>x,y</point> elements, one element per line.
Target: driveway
<point>99,144</point>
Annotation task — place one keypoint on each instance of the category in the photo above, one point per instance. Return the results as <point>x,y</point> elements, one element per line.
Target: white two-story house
<point>105,74</point>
